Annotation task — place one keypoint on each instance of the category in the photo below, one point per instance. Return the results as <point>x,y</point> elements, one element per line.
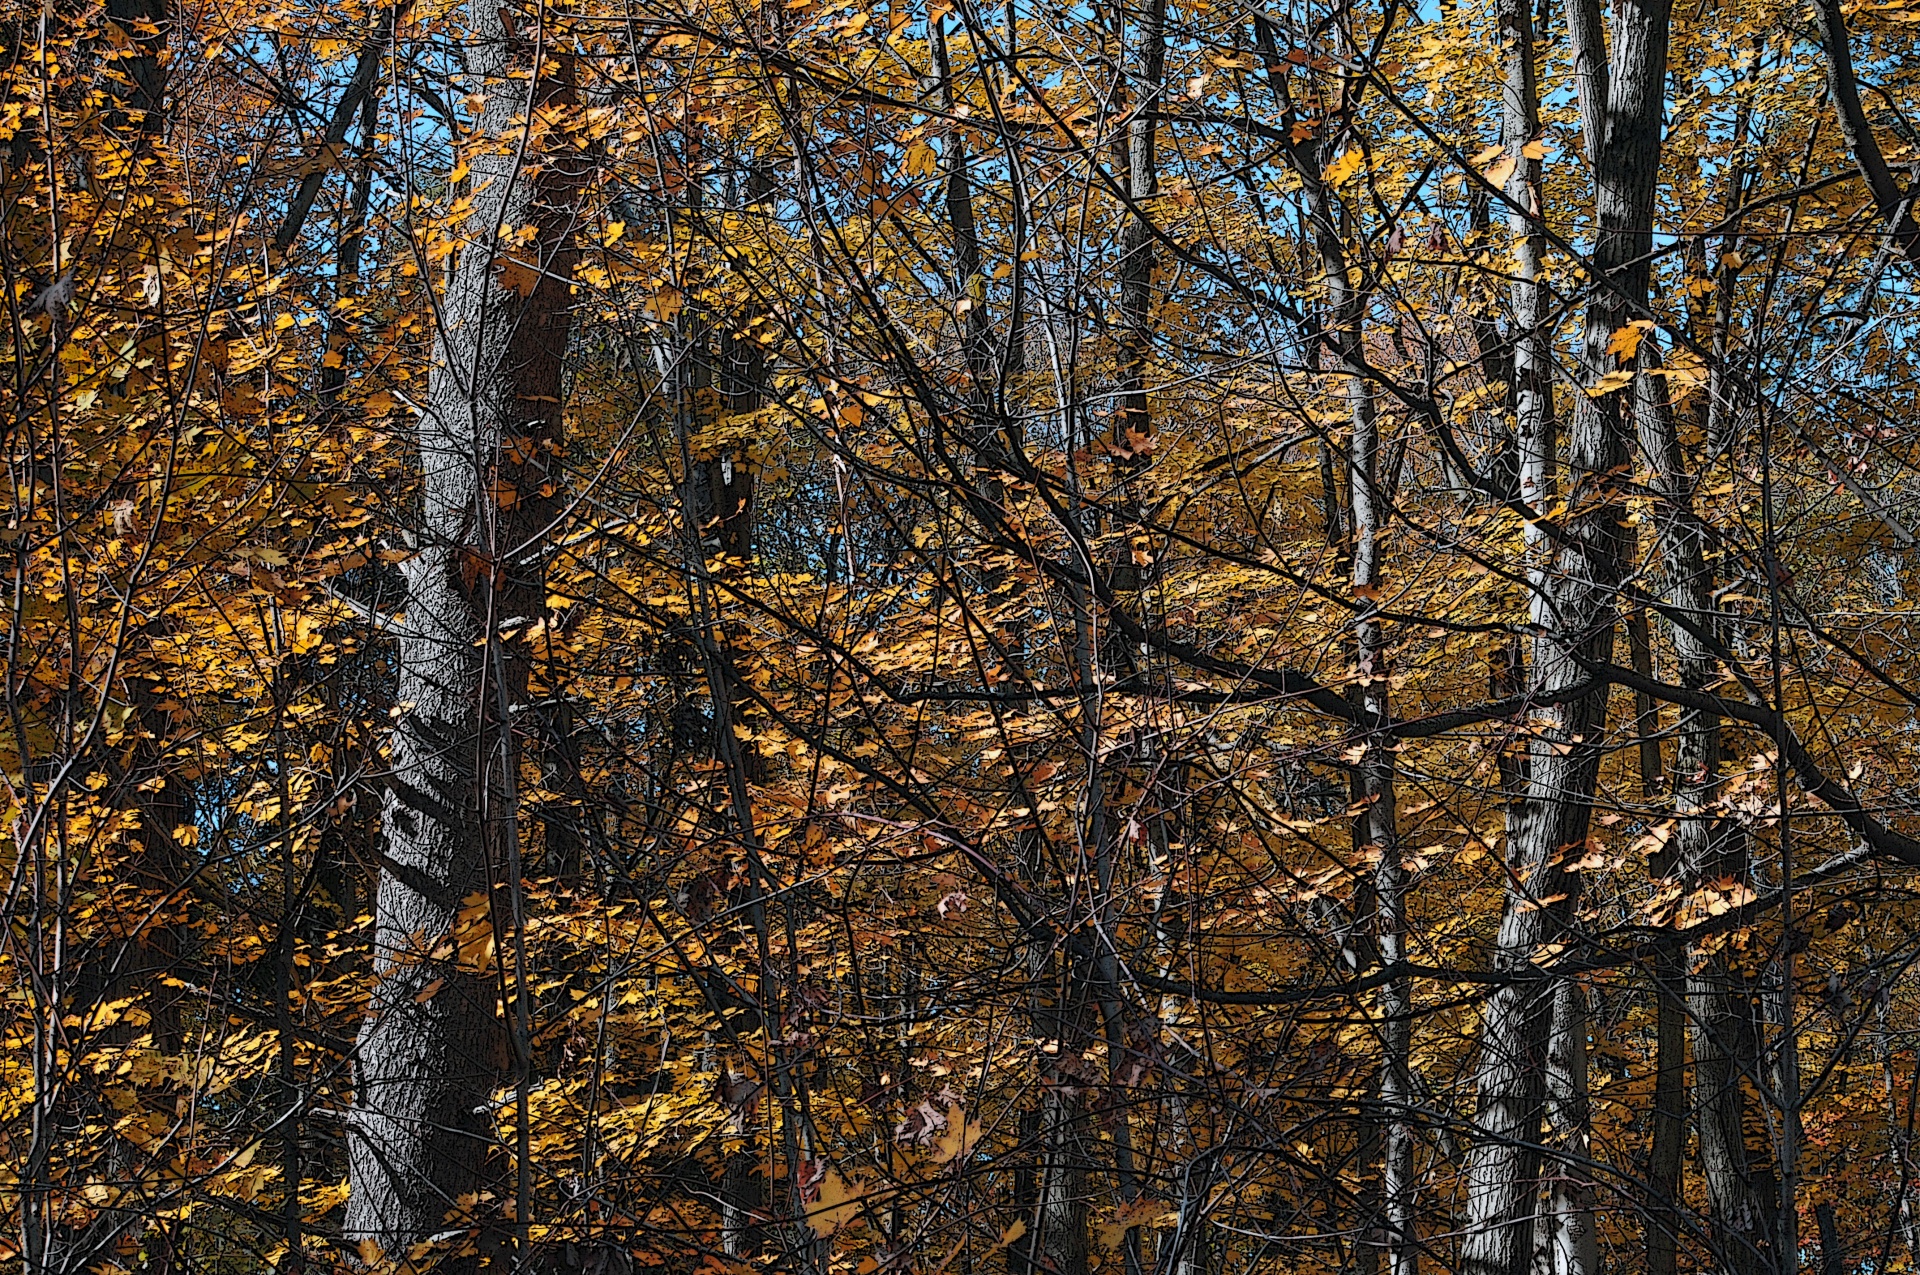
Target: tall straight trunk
<point>1589,560</point>
<point>976,329</point>
<point>433,1045</point>
<point>353,239</point>
<point>1741,1189</point>
<point>1564,1235</point>
<point>138,113</point>
<point>1725,1041</point>
<point>1495,353</point>
<point>1145,76</point>
<point>1566,1241</point>
<point>1535,432</point>
<point>1668,1144</point>
<point>1376,832</point>
<point>1065,1138</point>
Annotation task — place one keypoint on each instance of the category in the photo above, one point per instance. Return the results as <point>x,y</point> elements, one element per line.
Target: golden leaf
<point>839,1204</point>
<point>1625,342</point>
<point>959,1139</point>
<point>1616,380</point>
<point>1343,168</point>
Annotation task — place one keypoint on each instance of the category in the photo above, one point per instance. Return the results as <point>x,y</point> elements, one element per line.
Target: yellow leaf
<point>838,1205</point>
<point>1341,169</point>
<point>1618,379</point>
<point>920,159</point>
<point>1535,149</point>
<point>1625,343</point>
<point>1498,174</point>
<point>959,1139</point>
<point>473,932</point>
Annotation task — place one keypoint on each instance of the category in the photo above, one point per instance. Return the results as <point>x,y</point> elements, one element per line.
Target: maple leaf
<point>1625,342</point>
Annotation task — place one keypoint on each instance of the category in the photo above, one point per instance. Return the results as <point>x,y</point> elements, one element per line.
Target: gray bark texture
<point>1142,166</point>
<point>1531,362</point>
<point>1376,833</point>
<point>435,1045</point>
<point>1740,1185</point>
<point>1579,592</point>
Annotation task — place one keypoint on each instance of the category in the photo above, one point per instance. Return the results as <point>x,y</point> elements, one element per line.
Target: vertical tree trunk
<point>432,1047</point>
<point>353,238</point>
<point>1064,1136</point>
<point>1833,1255</point>
<point>1377,833</point>
<point>139,113</point>
<point>1564,759</point>
<point>1667,1146</point>
<point>1741,1192</point>
<point>1535,431</point>
<point>1566,1242</point>
<point>1896,208</point>
<point>1145,74</point>
<point>1726,1044</point>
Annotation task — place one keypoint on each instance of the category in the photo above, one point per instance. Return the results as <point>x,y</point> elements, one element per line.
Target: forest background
<point>1173,636</point>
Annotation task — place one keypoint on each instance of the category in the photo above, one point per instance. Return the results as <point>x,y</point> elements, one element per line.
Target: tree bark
<point>140,96</point>
<point>433,1045</point>
<point>1136,238</point>
<point>1376,832</point>
<point>1726,1043</point>
<point>1564,758</point>
<point>1535,430</point>
<point>1668,1144</point>
<point>1566,1242</point>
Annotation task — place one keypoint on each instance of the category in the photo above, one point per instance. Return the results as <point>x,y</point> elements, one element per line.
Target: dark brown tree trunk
<point>139,70</point>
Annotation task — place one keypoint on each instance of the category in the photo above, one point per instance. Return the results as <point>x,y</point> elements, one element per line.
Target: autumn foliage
<point>1168,636</point>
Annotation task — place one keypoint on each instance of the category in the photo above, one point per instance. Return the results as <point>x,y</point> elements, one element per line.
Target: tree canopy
<point>1176,637</point>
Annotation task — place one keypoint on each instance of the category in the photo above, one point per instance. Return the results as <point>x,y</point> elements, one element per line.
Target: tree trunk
<point>1833,1256</point>
<point>1741,1193</point>
<point>1065,1150</point>
<point>1668,1144</point>
<point>1376,833</point>
<point>1564,759</point>
<point>433,1046</point>
<point>1566,1242</point>
<point>1726,1044</point>
<point>1531,393</point>
<point>1142,169</point>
